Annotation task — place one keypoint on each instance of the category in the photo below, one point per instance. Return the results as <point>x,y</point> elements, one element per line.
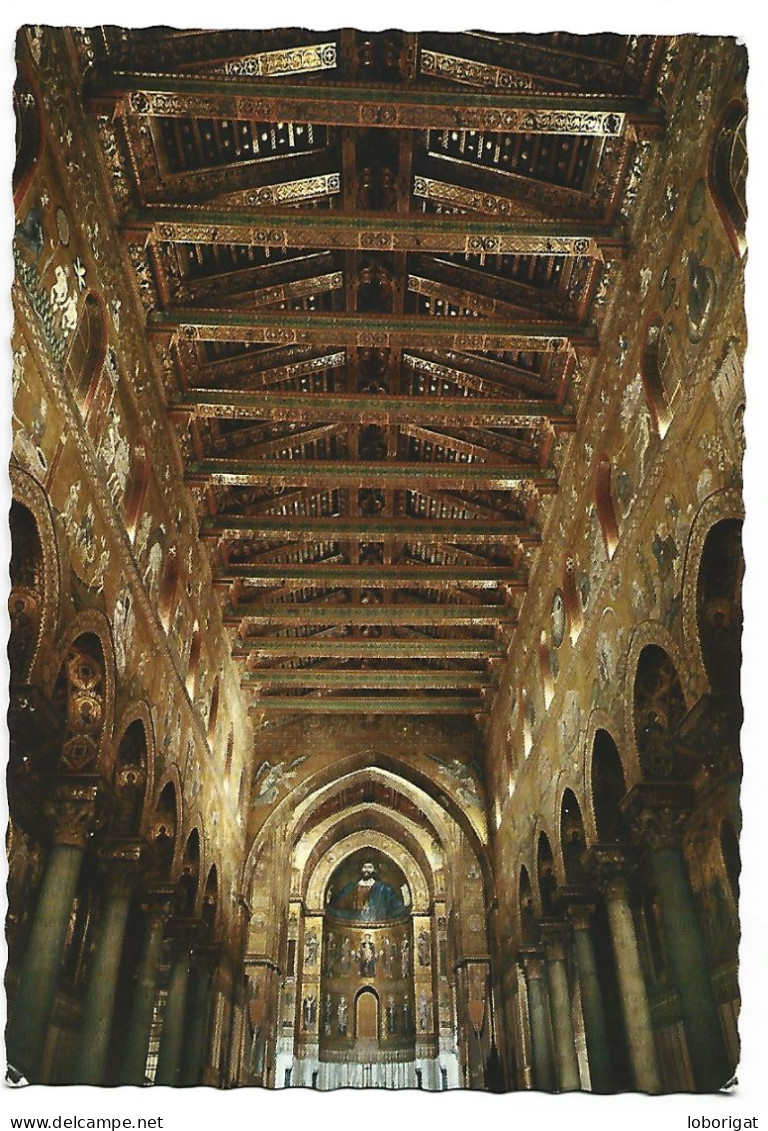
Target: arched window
<point>168,587</point>
<point>573,608</point>
<point>136,491</point>
<point>230,752</point>
<point>728,173</point>
<point>86,353</point>
<point>527,910</point>
<point>29,132</point>
<point>545,665</point>
<point>527,727</point>
<point>213,714</point>
<point>605,510</point>
<point>241,791</point>
<point>194,661</point>
<point>661,379</point>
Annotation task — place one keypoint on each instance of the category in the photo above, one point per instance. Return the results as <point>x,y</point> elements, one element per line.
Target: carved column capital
<point>578,902</point>
<point>121,862</point>
<point>553,935</point>
<point>658,812</point>
<point>157,903</point>
<point>612,866</point>
<point>184,935</point>
<point>532,960</point>
<point>76,807</point>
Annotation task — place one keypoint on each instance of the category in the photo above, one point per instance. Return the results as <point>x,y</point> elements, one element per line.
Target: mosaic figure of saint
<point>310,949</point>
<point>405,958</point>
<point>391,1015</point>
<point>367,958</point>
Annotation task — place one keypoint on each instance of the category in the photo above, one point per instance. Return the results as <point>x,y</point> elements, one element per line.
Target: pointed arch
<point>659,374</point>
<point>545,873</point>
<point>608,787</point>
<point>136,490</point>
<point>573,841</point>
<point>169,584</point>
<point>605,508</point>
<point>213,713</point>
<point>87,351</point>
<point>571,598</point>
<point>193,663</point>
<point>28,493</point>
<point>728,173</point>
<point>165,824</point>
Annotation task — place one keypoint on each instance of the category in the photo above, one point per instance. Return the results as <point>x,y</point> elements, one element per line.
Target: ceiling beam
<point>369,106</point>
<point>343,678</point>
<point>369,409</point>
<point>423,615</point>
<point>297,529</point>
<point>366,231</point>
<point>350,474</point>
<point>386,649</point>
<point>370,330</point>
<point>374,576</point>
<point>370,705</point>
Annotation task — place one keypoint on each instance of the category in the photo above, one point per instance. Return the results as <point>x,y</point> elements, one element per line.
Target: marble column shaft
<point>659,813</point>
<point>595,1027</point>
<point>544,1077</point>
<point>634,995</point>
<point>42,959</point>
<point>193,1066</point>
<point>73,808</point>
<point>144,996</point>
<point>559,996</point>
<point>172,1036</point>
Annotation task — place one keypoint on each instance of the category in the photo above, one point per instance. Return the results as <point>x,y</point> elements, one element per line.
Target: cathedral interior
<point>376,560</point>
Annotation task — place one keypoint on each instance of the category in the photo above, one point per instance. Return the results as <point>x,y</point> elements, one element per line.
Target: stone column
<point>553,938</point>
<point>544,1078</point>
<point>612,865</point>
<point>120,862</point>
<point>73,808</point>
<point>193,1061</point>
<point>156,905</point>
<point>658,813</point>
<point>172,1036</point>
<point>579,905</point>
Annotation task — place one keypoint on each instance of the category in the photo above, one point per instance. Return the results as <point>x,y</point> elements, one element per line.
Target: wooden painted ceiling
<point>369,263</point>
